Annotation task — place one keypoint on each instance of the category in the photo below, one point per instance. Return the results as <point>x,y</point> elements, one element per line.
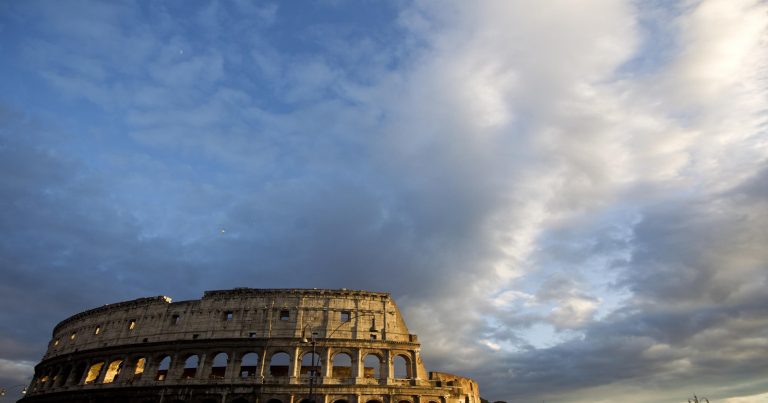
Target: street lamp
<point>312,368</point>
<point>4,391</point>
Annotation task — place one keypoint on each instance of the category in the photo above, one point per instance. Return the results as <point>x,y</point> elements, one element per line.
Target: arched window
<point>63,376</point>
<point>138,368</point>
<point>249,365</point>
<point>190,367</point>
<point>279,364</point>
<point>219,366</point>
<point>402,368</point>
<point>372,366</point>
<point>341,366</point>
<point>162,369</point>
<point>307,368</point>
<point>113,370</point>
<point>93,372</point>
<point>79,373</point>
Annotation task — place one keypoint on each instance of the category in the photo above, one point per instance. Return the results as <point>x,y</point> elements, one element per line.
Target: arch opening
<point>63,376</point>
<point>219,366</point>
<point>279,364</point>
<point>372,367</point>
<point>93,373</point>
<point>249,365</point>
<point>113,371</point>
<point>190,367</point>
<point>310,365</point>
<point>138,367</point>
<point>341,366</point>
<point>402,367</point>
<point>162,369</point>
<point>79,373</point>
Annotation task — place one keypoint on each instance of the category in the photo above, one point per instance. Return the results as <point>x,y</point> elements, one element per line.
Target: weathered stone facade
<point>243,345</point>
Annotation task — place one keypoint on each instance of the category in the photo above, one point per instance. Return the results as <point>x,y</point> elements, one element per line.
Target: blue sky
<point>567,199</point>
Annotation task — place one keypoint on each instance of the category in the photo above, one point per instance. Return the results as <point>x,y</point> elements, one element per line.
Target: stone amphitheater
<point>243,346</point>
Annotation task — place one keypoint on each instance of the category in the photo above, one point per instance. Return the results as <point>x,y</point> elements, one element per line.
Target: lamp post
<point>4,391</point>
<point>312,368</point>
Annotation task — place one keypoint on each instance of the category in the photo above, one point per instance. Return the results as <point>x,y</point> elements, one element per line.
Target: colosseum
<point>243,346</point>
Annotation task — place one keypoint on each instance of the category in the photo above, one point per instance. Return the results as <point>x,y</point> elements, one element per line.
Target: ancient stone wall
<point>251,344</point>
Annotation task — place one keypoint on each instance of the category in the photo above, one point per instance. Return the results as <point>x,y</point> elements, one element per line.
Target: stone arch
<point>372,366</point>
<point>64,375</point>
<point>249,365</point>
<point>79,373</point>
<point>341,365</point>
<point>191,363</point>
<point>401,367</point>
<point>306,364</point>
<point>139,364</point>
<point>341,401</point>
<point>113,370</point>
<point>164,364</point>
<point>94,370</point>
<point>279,364</point>
<point>219,366</point>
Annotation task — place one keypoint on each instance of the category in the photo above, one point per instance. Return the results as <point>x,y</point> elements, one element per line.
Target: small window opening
<point>252,335</point>
<point>56,342</point>
<point>175,319</point>
<point>97,330</point>
<point>228,315</point>
<point>145,340</point>
<point>73,335</point>
<point>345,316</point>
<point>195,336</point>
<point>132,324</point>
<point>285,314</point>
<point>373,337</point>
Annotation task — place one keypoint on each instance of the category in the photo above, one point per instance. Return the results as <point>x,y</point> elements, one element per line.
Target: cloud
<point>582,210</point>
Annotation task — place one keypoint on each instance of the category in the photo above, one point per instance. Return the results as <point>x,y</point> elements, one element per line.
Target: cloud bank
<point>567,200</point>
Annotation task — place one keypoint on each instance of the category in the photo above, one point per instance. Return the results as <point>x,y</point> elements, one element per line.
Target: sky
<point>568,200</point>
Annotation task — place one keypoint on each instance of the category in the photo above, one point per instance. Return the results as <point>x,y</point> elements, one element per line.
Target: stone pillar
<point>202,368</point>
<point>126,374</point>
<point>325,357</point>
<point>84,375</point>
<point>294,366</point>
<point>358,367</point>
<point>176,367</point>
<point>388,372</point>
<point>233,366</point>
<point>263,364</point>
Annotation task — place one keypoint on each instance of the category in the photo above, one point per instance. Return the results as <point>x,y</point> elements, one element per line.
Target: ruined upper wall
<point>237,313</point>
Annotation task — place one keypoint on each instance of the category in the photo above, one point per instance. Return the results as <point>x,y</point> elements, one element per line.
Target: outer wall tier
<point>243,345</point>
